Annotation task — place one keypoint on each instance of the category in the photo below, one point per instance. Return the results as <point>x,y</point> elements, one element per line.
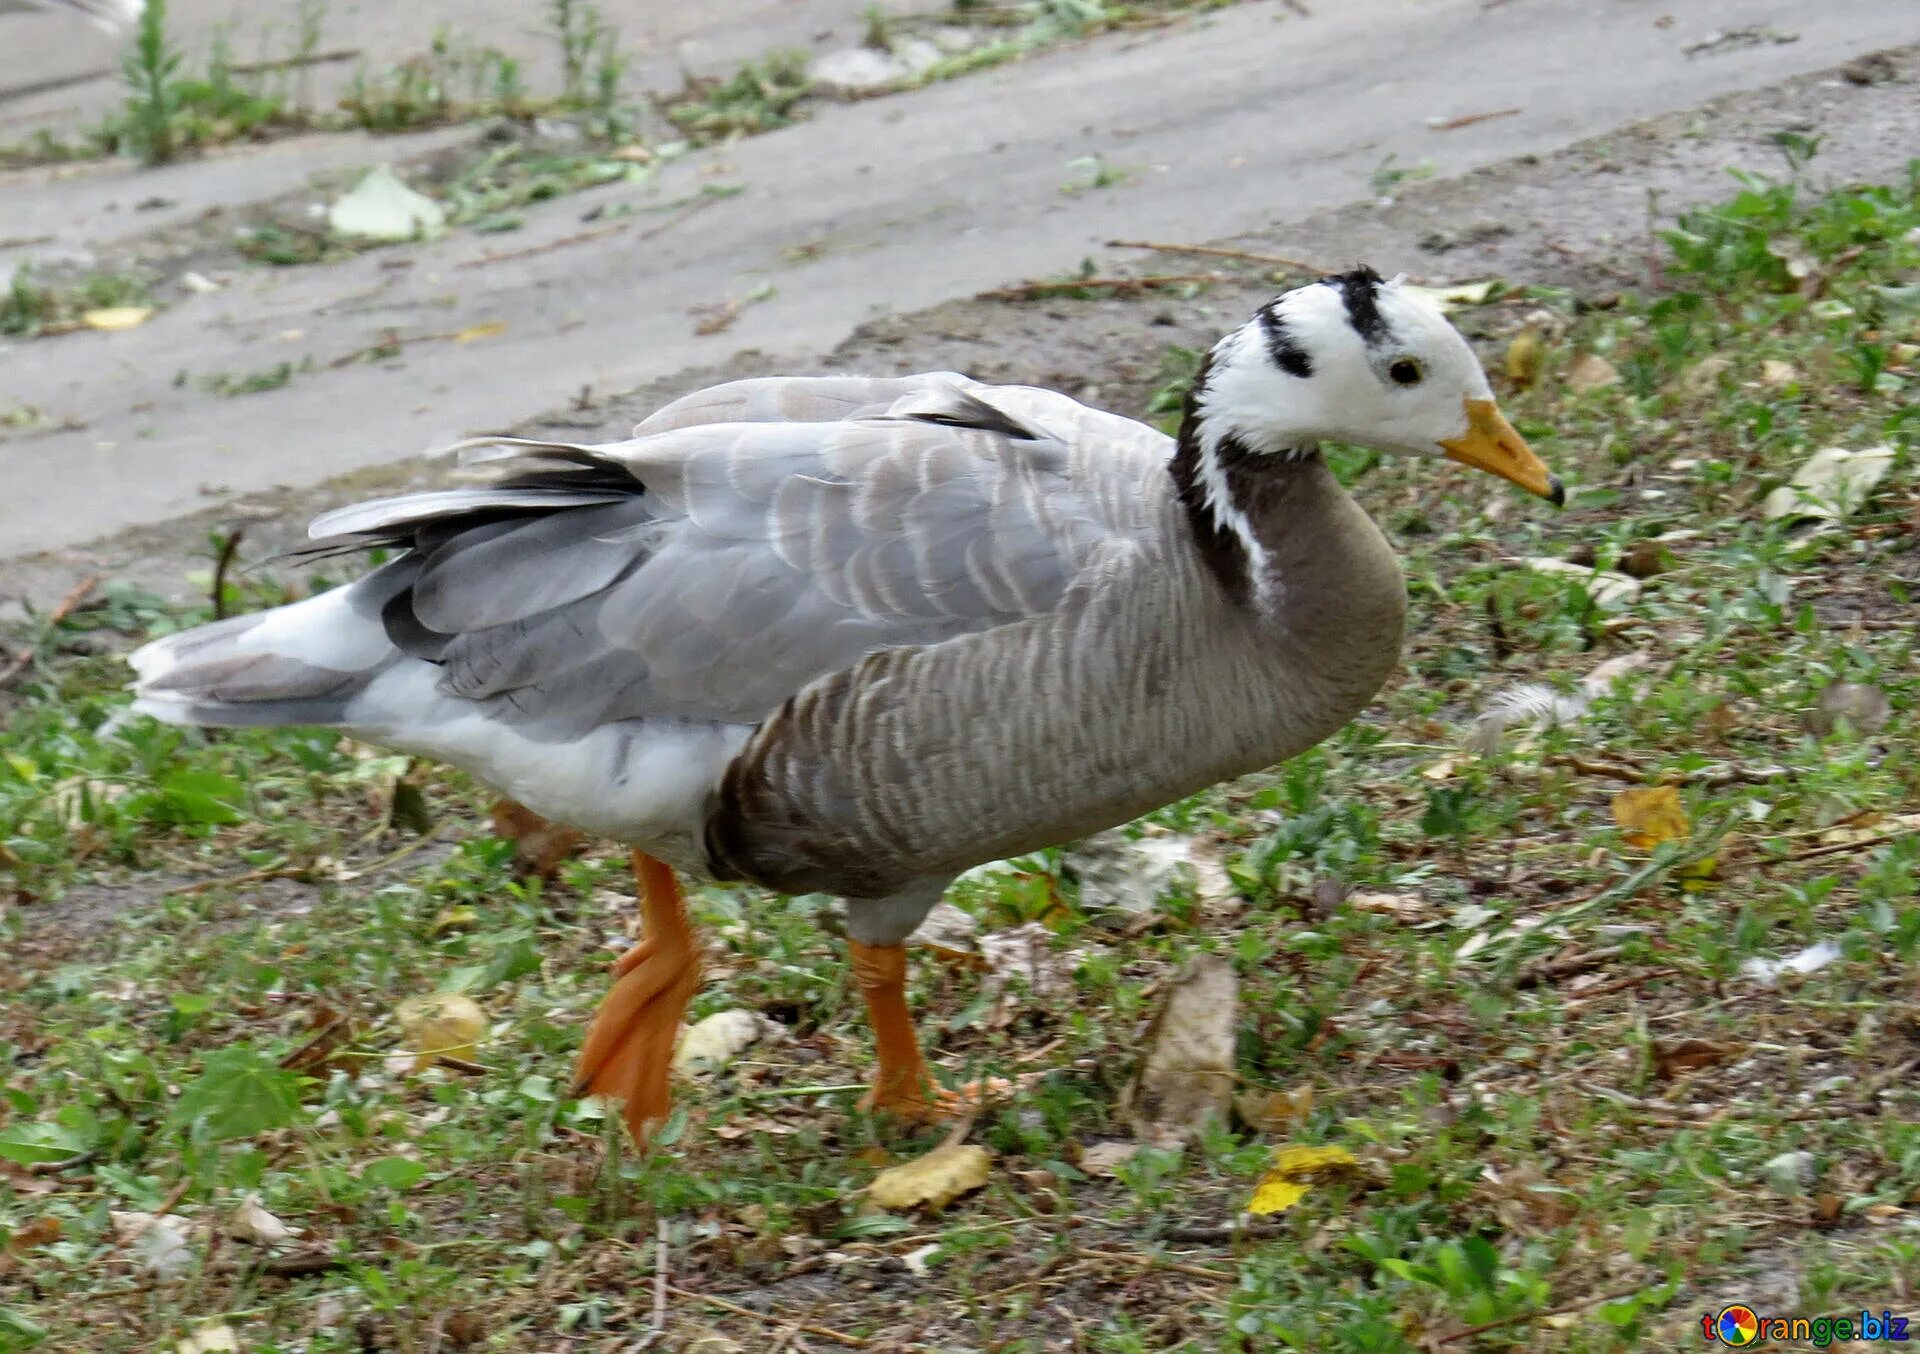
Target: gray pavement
<point>1251,117</point>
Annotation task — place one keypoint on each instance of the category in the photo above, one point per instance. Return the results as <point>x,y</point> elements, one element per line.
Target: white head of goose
<point>857,635</point>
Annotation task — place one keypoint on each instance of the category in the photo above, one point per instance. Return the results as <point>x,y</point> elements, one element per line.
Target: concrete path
<point>1250,117</point>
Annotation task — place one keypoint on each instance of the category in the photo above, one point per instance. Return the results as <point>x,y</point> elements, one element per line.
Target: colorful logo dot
<point>1737,1325</point>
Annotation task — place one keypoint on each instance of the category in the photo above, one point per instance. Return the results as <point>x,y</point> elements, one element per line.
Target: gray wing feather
<point>774,532</point>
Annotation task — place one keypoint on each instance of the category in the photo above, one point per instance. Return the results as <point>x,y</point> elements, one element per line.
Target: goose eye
<point>1405,371</point>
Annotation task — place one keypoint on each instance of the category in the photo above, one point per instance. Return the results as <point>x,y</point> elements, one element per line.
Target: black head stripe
<point>1287,353</point>
<point>1360,292</point>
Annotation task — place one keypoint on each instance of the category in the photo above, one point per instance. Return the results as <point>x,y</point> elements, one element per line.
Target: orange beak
<point>1491,444</point>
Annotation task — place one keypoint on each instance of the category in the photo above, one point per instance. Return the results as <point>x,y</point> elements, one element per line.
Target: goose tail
<point>307,663</point>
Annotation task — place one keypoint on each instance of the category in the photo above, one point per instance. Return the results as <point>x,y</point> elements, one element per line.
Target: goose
<point>112,16</point>
<point>856,635</point>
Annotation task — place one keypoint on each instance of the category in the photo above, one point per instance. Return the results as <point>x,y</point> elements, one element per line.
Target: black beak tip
<point>1556,492</point>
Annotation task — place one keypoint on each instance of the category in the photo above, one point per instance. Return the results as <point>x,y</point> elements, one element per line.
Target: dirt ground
<point>1584,218</point>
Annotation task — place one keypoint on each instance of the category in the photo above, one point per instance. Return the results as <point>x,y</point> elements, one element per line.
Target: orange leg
<point>629,1050</point>
<point>902,1085</point>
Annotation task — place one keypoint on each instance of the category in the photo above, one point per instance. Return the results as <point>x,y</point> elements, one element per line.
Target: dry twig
<point>1469,119</point>
<point>54,617</point>
<point>1027,291</point>
<point>220,566</point>
<point>824,1332</point>
<point>1214,251</point>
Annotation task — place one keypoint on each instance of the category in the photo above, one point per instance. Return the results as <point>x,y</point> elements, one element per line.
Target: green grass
<point>32,306</point>
<point>1576,1116</point>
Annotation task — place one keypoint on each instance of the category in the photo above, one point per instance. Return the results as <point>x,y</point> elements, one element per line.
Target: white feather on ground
<point>1537,705</point>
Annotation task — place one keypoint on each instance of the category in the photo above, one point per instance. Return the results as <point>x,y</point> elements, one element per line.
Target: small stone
<point>953,40</point>
<point>1873,69</point>
<point>856,72</point>
<point>1704,376</point>
<point>1788,1172</point>
<point>1864,707</point>
<point>1590,371</point>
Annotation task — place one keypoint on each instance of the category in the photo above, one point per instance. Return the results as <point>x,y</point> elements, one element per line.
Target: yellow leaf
<point>475,332</point>
<point>1699,876</point>
<point>1276,1194</point>
<point>116,317</point>
<point>1460,294</point>
<point>1646,818</point>
<point>456,918</point>
<point>1294,1171</point>
<point>443,1025</point>
<point>935,1180</point>
<point>1274,1111</point>
<point>1526,354</point>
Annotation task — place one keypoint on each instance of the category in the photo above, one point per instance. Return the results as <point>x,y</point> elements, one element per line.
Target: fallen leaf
<point>713,319</point>
<point>1831,484</point>
<point>1452,298</point>
<point>1274,1111</point>
<point>1670,1059</point>
<point>465,1328</point>
<point>934,1180</point>
<point>714,1042</point>
<point>1776,373</point>
<point>1646,818</point>
<point>711,1342</point>
<point>1106,1158</point>
<point>1608,589</point>
<point>331,1031</point>
<point>39,1232</point>
<point>1405,906</point>
<point>380,207</point>
<point>459,917</point>
<point>252,1222</point>
<point>473,333</point>
<point>442,1025</point>
<point>1526,355</point>
<point>540,847</point>
<point>1294,1171</point>
<point>215,1339</point>
<point>1590,371</point>
<point>158,1241</point>
<point>1186,1073</point>
<point>113,318</point>
<point>1603,675</point>
<point>951,933</point>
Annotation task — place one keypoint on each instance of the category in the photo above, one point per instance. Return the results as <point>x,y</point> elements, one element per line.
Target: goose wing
<point>751,539</point>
